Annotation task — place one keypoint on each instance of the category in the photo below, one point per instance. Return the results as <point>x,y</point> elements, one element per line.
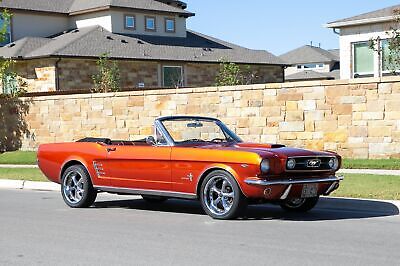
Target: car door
<point>141,166</point>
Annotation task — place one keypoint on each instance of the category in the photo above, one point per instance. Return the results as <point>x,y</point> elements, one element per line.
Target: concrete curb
<point>31,185</point>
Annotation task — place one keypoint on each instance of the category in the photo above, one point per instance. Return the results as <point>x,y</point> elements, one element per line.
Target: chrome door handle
<point>111,149</point>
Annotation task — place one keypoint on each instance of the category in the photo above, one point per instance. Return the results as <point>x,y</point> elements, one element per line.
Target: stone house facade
<point>55,45</point>
<point>72,74</point>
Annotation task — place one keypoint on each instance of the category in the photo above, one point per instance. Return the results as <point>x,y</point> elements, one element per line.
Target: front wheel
<point>299,204</point>
<point>76,187</point>
<point>221,197</point>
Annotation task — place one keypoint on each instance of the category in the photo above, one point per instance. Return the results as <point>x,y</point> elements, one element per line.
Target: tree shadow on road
<point>327,209</point>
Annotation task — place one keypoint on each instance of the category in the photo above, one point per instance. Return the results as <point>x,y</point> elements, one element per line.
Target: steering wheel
<point>218,140</point>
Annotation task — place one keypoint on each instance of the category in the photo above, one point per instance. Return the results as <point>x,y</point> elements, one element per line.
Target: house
<point>357,58</point>
<point>56,44</point>
<point>311,63</point>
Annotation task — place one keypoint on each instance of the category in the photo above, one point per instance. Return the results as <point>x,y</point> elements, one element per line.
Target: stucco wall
<point>118,25</point>
<point>26,24</point>
<point>358,118</point>
<point>360,33</point>
<point>102,19</point>
<point>293,69</point>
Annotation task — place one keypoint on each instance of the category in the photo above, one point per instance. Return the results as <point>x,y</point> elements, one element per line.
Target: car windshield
<point>189,130</point>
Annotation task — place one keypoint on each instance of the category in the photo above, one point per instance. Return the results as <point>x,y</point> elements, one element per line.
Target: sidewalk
<point>369,171</point>
<point>18,166</point>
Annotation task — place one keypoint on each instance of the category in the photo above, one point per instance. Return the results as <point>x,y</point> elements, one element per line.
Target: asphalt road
<point>36,228</point>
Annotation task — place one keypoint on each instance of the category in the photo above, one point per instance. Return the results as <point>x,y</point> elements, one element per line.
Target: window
<point>150,23</point>
<point>363,59</point>
<point>7,37</point>
<point>172,76</point>
<point>130,22</point>
<point>307,66</point>
<point>390,59</point>
<point>169,25</point>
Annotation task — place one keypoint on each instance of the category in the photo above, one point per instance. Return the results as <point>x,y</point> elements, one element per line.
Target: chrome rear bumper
<point>293,181</point>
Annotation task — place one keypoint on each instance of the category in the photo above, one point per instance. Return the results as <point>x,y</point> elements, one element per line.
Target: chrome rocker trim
<point>291,181</point>
<point>148,192</point>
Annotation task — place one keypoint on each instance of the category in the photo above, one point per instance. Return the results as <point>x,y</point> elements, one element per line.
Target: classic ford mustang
<point>191,158</point>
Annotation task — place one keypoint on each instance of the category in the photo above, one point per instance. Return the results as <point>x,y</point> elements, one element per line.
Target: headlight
<point>334,163</point>
<point>265,167</point>
<point>291,164</point>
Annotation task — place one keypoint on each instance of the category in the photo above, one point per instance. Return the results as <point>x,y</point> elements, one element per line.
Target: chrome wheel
<point>73,187</point>
<point>299,204</point>
<point>219,195</point>
<point>295,203</point>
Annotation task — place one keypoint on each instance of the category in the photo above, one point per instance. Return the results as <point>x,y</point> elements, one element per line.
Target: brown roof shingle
<point>94,41</point>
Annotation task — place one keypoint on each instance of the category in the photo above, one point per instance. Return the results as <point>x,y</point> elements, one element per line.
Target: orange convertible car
<point>191,158</point>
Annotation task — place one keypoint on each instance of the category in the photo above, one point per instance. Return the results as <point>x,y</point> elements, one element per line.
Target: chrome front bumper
<point>289,182</point>
<point>292,181</point>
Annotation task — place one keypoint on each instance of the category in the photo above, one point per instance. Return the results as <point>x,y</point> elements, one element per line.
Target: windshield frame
<point>225,130</point>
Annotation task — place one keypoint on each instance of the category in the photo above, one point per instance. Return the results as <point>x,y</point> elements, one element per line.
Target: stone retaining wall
<point>358,118</point>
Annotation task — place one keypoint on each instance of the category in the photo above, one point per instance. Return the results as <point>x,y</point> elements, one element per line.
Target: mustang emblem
<point>188,177</point>
<point>314,163</point>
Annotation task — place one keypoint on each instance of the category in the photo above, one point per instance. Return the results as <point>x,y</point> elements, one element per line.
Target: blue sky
<point>276,26</point>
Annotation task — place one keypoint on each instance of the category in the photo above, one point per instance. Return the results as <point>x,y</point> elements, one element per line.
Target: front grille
<point>307,163</point>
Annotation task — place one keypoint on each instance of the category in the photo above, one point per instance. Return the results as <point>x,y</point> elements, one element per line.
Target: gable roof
<point>381,15</point>
<point>309,54</point>
<point>71,7</point>
<point>93,41</point>
<point>312,75</point>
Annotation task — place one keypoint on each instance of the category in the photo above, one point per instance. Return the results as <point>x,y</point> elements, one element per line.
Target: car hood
<point>265,150</point>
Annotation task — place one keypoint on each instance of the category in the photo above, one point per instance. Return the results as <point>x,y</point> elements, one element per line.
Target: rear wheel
<point>76,187</point>
<point>154,199</point>
<point>221,197</point>
<point>299,204</point>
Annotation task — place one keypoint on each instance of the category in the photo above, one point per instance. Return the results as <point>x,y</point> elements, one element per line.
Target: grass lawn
<point>18,157</point>
<point>388,164</point>
<point>22,174</point>
<point>369,187</point>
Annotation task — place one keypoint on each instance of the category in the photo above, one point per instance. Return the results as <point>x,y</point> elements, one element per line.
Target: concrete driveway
<point>36,228</point>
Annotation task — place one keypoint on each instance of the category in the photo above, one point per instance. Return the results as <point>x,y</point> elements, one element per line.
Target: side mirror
<point>150,140</point>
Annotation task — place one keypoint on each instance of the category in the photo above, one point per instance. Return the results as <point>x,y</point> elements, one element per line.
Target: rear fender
<point>72,160</point>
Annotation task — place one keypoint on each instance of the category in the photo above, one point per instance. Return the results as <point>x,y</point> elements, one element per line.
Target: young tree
<point>231,74</point>
<point>108,77</point>
<point>389,50</point>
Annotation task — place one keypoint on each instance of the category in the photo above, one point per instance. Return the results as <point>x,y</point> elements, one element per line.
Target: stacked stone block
<point>357,118</point>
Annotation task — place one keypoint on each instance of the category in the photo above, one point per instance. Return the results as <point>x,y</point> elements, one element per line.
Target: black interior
<point>107,141</point>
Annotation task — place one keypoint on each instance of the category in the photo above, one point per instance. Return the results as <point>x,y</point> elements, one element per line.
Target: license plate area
<point>309,191</point>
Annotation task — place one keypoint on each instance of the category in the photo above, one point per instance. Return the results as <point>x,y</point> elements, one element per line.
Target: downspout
<point>283,70</point>
<point>335,31</point>
<point>57,74</point>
